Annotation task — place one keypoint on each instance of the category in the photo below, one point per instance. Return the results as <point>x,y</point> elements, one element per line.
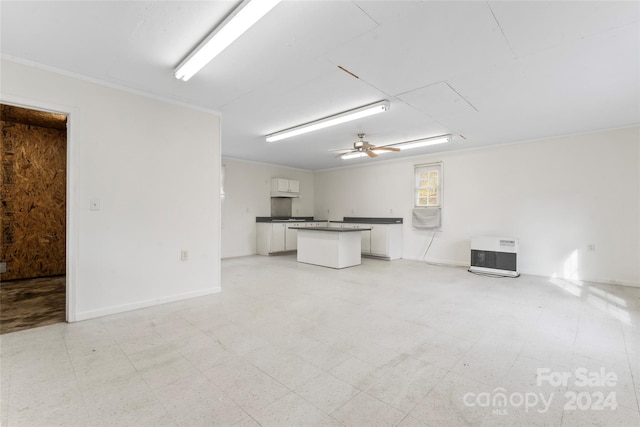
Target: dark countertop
<point>332,229</point>
<point>369,220</point>
<point>288,219</point>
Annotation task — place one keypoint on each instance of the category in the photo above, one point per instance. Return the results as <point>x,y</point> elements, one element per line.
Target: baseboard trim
<point>602,281</point>
<point>446,263</point>
<point>92,314</point>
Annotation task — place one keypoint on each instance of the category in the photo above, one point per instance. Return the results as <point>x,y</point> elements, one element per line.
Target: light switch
<point>94,204</point>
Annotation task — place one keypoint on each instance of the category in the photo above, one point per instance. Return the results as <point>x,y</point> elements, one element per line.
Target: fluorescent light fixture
<point>336,119</point>
<point>239,21</point>
<point>422,142</point>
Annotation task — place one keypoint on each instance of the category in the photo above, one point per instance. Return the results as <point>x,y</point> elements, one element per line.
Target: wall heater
<point>495,255</point>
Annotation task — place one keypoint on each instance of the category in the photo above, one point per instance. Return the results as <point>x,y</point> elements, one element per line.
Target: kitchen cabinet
<point>382,241</point>
<point>279,237</point>
<point>291,236</point>
<point>365,236</point>
<point>282,187</point>
<point>270,237</point>
<point>275,237</point>
<point>316,224</point>
<point>386,241</point>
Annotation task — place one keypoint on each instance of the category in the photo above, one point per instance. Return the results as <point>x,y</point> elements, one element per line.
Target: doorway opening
<point>33,212</point>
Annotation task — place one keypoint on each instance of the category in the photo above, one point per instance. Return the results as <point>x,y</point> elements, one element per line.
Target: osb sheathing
<point>32,200</point>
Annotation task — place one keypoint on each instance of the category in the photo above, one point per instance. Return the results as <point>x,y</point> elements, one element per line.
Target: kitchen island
<point>329,246</point>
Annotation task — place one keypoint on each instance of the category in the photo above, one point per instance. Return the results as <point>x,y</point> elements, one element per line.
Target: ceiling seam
<point>504,36</point>
<point>462,97</point>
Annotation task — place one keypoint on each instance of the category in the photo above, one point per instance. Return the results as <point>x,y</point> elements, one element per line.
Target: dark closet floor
<point>29,303</point>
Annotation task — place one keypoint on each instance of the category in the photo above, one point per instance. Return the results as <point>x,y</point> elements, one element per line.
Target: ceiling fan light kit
<point>336,119</point>
<point>362,148</point>
<point>240,20</point>
<point>347,156</point>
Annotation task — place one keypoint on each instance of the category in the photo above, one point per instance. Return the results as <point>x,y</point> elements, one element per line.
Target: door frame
<point>72,206</point>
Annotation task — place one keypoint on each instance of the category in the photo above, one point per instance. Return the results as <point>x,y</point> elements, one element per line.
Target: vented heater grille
<point>495,255</point>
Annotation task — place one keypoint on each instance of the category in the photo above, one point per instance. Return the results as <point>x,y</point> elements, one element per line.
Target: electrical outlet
<point>3,267</point>
<point>94,204</point>
<point>591,247</point>
<point>184,255</point>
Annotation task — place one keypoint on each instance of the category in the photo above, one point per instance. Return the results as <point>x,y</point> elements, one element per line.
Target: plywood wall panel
<point>32,200</point>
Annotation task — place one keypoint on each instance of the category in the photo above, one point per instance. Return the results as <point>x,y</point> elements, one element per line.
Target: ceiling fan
<point>362,148</point>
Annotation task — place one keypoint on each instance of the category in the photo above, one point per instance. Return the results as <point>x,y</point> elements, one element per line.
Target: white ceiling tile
<point>65,34</point>
<point>441,102</point>
<point>590,84</point>
<point>422,43</point>
<point>532,26</point>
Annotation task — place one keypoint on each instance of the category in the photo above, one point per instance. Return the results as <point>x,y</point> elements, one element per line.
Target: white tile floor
<point>385,343</point>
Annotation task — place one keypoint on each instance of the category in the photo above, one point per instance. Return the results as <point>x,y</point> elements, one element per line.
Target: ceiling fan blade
<point>370,153</point>
<point>337,150</point>
<point>388,148</point>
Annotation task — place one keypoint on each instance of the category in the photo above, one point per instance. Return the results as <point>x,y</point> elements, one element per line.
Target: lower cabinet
<point>365,236</point>
<point>386,240</point>
<point>291,236</point>
<point>383,240</point>
<point>270,237</point>
<point>277,237</point>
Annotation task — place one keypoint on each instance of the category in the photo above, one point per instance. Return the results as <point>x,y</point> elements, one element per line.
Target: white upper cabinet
<point>294,186</point>
<point>282,187</point>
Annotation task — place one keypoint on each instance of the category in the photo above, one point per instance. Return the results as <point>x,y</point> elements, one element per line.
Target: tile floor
<point>382,344</point>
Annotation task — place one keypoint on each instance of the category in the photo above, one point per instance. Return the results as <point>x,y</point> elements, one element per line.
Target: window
<point>427,197</point>
<point>428,185</point>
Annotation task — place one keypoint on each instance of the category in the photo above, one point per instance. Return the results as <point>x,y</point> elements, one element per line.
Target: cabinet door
<point>282,184</point>
<point>277,237</point>
<point>379,239</point>
<point>291,237</point>
<point>263,238</point>
<point>294,186</point>
<point>366,240</point>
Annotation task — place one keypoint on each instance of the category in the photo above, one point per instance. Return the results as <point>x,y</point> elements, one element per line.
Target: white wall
<point>247,187</point>
<point>155,168</point>
<point>557,195</point>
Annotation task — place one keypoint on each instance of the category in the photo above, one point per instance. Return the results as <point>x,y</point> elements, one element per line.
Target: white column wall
<point>155,167</point>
